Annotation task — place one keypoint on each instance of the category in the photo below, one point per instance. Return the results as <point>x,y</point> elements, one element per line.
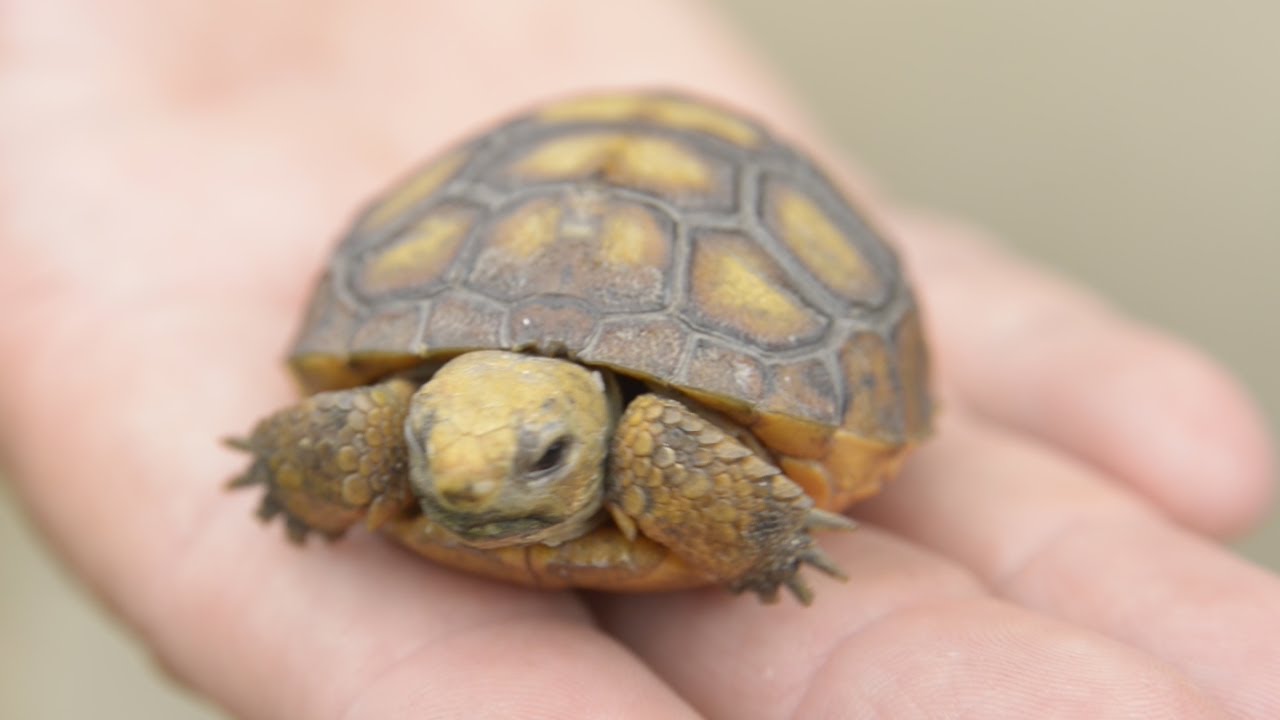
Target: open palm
<point>173,176</point>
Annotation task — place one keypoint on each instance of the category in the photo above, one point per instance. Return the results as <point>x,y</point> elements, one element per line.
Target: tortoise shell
<point>660,237</point>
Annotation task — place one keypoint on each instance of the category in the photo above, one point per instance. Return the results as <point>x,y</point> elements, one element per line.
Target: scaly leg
<point>332,459</point>
<point>682,481</point>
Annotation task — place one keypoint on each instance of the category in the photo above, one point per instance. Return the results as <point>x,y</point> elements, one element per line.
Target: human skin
<point>173,176</point>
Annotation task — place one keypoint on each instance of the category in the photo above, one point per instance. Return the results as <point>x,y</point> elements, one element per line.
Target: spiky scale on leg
<point>680,480</point>
<point>322,463</point>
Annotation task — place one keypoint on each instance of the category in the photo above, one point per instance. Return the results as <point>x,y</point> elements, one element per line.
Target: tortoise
<point>623,342</point>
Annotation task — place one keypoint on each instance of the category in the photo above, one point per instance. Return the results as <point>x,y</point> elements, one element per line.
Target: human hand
<point>173,178</point>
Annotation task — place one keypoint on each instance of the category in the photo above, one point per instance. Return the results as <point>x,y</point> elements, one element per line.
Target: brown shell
<point>658,236</point>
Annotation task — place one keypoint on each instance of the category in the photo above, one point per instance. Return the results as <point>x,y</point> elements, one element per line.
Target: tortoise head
<point>509,449</point>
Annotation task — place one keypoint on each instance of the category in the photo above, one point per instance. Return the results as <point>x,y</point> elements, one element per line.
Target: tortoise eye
<point>552,457</point>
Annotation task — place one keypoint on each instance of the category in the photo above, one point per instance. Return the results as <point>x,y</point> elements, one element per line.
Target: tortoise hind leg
<point>712,500</point>
<point>331,460</point>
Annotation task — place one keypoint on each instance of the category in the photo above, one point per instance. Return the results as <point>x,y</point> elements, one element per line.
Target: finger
<point>1049,533</point>
<point>909,635</point>
<point>1025,349</point>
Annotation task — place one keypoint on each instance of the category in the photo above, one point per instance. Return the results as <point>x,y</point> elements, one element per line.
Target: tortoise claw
<point>255,475</point>
<point>238,443</point>
<point>766,586</point>
<point>799,589</point>
<point>768,595</point>
<point>823,520</point>
<point>813,555</point>
<point>381,510</point>
<point>269,508</point>
<point>626,525</point>
<point>296,529</point>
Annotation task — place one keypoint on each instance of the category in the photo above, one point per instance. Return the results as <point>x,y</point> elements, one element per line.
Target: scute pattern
<point>813,236</point>
<point>460,321</point>
<point>662,237</point>
<point>804,388</point>
<point>648,347</point>
<point>612,254</point>
<point>386,327</point>
<point>874,408</point>
<point>738,290</point>
<point>657,110</point>
<point>667,168</point>
<point>913,371</point>
<point>550,325</point>
<point>418,258</point>
<point>415,190</point>
<point>723,370</point>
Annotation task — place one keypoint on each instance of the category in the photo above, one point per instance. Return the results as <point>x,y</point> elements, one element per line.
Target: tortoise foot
<point>331,461</point>
<point>716,502</point>
<point>259,474</point>
<point>765,583</point>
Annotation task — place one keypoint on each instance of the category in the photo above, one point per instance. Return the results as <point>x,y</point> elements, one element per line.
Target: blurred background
<point>1134,146</point>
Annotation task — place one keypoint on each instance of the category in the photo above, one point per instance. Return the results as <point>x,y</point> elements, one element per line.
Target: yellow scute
<point>673,112</point>
<point>660,164</point>
<point>633,239</point>
<point>638,161</point>
<point>594,107</point>
<point>822,247</point>
<point>415,189</point>
<point>421,256</point>
<point>569,157</point>
<point>734,284</point>
<point>695,116</point>
<point>529,231</point>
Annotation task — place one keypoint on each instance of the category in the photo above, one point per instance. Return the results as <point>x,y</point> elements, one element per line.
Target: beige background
<point>1135,145</point>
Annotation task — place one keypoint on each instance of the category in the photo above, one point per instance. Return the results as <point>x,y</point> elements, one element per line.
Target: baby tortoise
<point>626,342</point>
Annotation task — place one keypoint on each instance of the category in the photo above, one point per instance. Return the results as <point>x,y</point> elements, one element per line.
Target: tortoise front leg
<point>713,501</point>
<point>332,459</point>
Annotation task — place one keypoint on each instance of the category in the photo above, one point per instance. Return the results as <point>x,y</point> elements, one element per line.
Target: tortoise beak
<point>464,479</point>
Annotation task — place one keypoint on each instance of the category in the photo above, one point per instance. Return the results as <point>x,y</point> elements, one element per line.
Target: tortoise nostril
<point>467,494</point>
